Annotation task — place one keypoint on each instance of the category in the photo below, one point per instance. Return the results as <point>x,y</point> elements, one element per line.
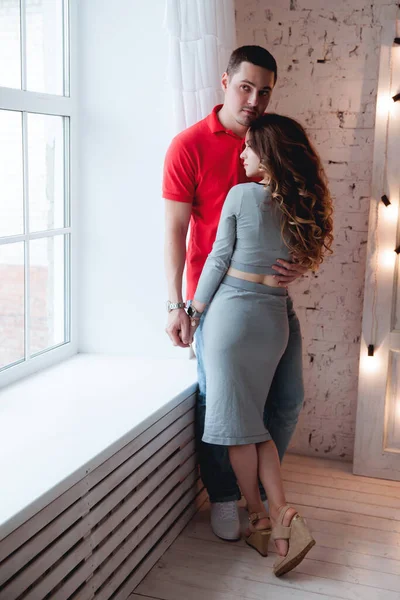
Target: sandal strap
<point>254,517</point>
<point>279,532</point>
<point>282,514</point>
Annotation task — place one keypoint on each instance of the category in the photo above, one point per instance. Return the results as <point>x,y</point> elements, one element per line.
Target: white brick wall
<point>335,99</point>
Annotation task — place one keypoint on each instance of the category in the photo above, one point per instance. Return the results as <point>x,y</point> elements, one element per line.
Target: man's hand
<point>178,328</point>
<point>288,272</point>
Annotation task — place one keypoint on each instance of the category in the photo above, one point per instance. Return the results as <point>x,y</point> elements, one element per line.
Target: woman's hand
<point>199,306</point>
<point>288,272</point>
<point>194,323</point>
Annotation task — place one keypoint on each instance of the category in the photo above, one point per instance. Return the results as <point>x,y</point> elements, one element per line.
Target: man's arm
<point>177,218</point>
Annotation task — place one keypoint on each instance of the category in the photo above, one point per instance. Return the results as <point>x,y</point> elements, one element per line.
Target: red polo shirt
<point>201,165</point>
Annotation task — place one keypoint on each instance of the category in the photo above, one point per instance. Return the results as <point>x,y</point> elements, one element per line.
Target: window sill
<point>59,424</point>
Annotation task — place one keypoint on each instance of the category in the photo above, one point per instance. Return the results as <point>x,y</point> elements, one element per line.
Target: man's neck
<point>226,119</point>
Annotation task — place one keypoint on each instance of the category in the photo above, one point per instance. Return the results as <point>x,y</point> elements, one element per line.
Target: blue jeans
<point>282,409</point>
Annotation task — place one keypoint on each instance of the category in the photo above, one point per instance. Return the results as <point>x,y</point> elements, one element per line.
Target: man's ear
<point>224,81</point>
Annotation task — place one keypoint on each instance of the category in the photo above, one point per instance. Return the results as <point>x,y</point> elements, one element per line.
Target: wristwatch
<point>175,305</point>
<point>193,313</point>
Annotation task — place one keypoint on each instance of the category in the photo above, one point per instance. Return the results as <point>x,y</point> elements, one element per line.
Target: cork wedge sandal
<point>258,538</point>
<point>299,538</point>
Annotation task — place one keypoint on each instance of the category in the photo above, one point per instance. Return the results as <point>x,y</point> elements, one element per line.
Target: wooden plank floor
<point>355,522</point>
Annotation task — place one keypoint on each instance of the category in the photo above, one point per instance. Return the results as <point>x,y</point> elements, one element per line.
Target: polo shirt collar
<point>215,124</point>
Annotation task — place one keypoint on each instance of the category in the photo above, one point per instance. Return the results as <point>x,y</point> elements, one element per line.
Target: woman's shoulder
<point>248,186</point>
<point>253,191</point>
<point>249,189</point>
<point>240,191</point>
<point>244,196</point>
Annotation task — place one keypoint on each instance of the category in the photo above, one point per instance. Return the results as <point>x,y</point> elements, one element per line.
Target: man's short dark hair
<point>255,55</point>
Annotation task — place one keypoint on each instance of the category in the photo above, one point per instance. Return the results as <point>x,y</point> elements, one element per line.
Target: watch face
<point>190,311</point>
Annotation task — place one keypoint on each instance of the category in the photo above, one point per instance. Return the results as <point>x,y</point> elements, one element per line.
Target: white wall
<point>125,128</point>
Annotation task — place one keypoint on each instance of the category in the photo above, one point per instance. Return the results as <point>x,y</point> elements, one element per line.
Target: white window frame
<point>65,106</point>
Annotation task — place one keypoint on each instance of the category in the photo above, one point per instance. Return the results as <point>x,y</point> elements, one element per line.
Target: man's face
<point>248,92</point>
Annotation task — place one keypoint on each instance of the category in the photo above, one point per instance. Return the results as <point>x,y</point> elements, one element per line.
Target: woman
<point>245,331</point>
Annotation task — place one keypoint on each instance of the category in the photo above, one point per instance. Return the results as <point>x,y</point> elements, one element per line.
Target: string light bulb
<point>385,200</point>
<point>385,105</point>
<point>390,214</point>
<point>370,364</point>
<point>387,259</point>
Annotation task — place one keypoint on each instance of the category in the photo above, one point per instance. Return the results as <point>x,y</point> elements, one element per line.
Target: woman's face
<point>251,161</point>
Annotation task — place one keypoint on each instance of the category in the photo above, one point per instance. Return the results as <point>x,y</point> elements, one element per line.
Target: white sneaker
<point>225,521</point>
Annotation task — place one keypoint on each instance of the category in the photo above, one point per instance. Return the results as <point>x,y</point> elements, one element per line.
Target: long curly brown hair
<point>298,184</point>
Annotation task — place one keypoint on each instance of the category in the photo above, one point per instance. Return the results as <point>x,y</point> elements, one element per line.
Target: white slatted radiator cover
<point>100,538</point>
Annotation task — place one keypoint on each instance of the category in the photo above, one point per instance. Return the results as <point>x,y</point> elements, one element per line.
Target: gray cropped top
<point>248,238</point>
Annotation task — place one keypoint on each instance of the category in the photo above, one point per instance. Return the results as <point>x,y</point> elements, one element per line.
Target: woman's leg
<point>244,461</point>
<point>269,471</point>
<point>253,461</point>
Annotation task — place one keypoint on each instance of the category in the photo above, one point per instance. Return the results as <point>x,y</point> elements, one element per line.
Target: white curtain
<point>202,35</point>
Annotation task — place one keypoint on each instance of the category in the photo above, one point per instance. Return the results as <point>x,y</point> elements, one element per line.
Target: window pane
<point>44,46</point>
<point>45,172</point>
<point>47,293</point>
<point>10,49</point>
<point>11,175</point>
<point>12,303</point>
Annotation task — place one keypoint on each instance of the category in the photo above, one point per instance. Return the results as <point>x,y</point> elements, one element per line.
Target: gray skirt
<point>245,333</point>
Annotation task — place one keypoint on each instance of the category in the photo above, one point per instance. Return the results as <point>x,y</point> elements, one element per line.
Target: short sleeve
<point>179,174</point>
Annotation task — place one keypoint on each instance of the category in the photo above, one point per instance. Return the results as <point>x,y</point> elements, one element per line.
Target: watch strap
<point>175,305</point>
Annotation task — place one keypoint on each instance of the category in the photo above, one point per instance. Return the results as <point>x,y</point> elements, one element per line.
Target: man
<point>201,165</point>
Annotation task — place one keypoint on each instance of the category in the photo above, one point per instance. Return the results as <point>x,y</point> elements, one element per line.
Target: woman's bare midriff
<point>254,277</point>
